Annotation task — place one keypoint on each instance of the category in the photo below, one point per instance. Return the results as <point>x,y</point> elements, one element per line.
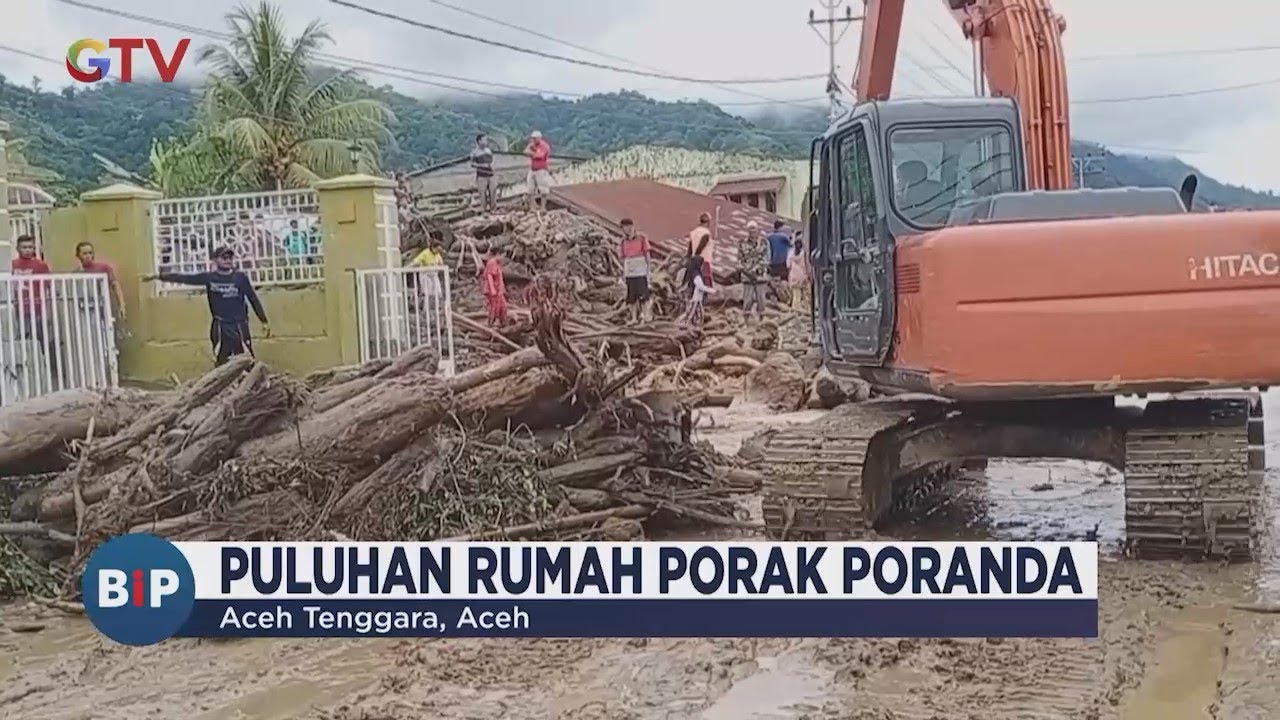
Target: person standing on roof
<point>779,251</point>
<point>230,293</point>
<point>482,163</point>
<point>634,251</point>
<point>753,271</point>
<point>539,152</point>
<point>701,243</point>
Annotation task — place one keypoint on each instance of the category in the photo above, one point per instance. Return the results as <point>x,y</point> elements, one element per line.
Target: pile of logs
<point>549,440</point>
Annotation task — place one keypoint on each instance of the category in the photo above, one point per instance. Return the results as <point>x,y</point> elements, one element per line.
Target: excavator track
<point>1193,478</point>
<point>831,479</point>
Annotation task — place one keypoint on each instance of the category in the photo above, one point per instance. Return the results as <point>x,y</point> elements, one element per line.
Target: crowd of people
<point>776,259</point>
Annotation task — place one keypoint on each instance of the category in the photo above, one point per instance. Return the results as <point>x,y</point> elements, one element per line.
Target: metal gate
<point>401,308</point>
<point>57,332</point>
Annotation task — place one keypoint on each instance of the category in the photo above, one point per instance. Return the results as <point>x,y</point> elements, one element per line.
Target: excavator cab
<point>887,171</point>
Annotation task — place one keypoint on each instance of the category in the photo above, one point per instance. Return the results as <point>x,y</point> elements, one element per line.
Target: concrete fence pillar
<point>360,223</point>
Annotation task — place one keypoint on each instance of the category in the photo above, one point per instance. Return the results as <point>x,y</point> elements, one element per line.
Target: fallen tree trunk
<point>420,359</point>
<point>34,434</point>
<point>364,430</point>
<point>247,410</point>
<point>516,398</point>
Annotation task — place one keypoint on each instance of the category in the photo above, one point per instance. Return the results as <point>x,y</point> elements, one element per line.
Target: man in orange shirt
<point>494,288</point>
<point>539,153</point>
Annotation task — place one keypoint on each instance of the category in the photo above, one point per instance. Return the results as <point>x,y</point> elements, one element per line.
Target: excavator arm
<point>1019,43</point>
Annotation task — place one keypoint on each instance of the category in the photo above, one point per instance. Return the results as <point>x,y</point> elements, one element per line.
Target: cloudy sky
<point>1116,49</point>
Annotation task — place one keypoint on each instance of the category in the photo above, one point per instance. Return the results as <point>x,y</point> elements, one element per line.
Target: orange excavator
<point>1000,312</point>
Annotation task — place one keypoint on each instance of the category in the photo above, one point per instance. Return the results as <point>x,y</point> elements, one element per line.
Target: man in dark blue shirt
<point>229,293</point>
<point>779,251</point>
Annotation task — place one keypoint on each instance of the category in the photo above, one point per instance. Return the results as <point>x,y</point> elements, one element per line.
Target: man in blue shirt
<point>230,293</point>
<point>779,251</point>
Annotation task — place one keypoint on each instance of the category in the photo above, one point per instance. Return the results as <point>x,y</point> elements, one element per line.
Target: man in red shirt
<point>539,153</point>
<point>90,264</point>
<point>494,288</point>
<point>31,298</point>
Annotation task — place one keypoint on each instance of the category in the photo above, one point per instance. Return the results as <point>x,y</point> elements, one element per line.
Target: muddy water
<point>1170,646</point>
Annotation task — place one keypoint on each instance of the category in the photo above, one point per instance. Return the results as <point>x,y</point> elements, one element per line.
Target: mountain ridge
<point>64,129</point>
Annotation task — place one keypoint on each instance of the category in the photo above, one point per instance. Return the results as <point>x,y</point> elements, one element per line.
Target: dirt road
<point>1171,646</point>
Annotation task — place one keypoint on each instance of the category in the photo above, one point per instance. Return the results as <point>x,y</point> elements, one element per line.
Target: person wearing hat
<point>230,293</point>
<point>539,153</point>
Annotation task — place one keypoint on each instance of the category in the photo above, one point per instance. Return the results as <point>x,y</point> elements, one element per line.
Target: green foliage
<point>272,119</point>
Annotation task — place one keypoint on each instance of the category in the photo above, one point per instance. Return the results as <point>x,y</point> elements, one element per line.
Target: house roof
<point>746,184</point>
<point>667,214</point>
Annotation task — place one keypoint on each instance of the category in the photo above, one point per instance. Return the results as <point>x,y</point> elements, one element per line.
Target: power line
<point>1185,93</point>
<point>561,41</point>
<point>1175,53</point>
<point>384,69</point>
<point>574,61</point>
<point>746,127</point>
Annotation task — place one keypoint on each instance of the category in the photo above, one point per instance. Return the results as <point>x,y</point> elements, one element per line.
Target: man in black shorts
<point>634,251</point>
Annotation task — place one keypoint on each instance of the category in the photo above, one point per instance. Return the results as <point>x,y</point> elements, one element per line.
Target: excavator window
<point>856,287</point>
<point>935,167</point>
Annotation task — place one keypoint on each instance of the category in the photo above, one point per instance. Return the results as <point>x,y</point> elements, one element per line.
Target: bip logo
<point>138,589</point>
<point>99,66</point>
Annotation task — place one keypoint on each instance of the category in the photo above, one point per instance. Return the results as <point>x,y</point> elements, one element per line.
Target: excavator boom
<point>1019,43</point>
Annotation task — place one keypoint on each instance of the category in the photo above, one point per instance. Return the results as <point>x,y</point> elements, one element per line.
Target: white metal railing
<point>26,221</point>
<point>401,308</point>
<point>276,236</point>
<point>57,332</point>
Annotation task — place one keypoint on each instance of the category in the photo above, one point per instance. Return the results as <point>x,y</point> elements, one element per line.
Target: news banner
<point>140,589</point>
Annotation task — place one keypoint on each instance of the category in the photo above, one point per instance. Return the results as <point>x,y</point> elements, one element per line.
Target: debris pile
<point>541,442</point>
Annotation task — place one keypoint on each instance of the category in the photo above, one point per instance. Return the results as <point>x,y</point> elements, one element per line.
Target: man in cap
<point>230,293</point>
<point>539,152</point>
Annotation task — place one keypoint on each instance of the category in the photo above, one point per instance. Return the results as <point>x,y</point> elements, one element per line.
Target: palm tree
<point>284,125</point>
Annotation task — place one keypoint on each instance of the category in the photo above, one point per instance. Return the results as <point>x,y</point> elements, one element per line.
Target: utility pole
<point>831,40</point>
<point>1085,165</point>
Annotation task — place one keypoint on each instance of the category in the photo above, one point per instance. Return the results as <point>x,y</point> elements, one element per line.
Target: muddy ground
<point>1171,647</point>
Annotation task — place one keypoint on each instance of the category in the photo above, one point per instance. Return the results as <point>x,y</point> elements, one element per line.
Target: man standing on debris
<point>635,252</point>
<point>753,270</point>
<point>779,251</point>
<point>229,292</point>
<point>482,163</point>
<point>494,287</point>
<point>430,257</point>
<point>539,152</point>
<point>801,289</point>
<point>701,244</point>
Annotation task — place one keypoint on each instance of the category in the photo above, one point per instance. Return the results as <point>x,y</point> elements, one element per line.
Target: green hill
<point>65,129</point>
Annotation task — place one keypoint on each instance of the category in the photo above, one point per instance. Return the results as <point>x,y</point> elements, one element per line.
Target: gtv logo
<point>98,66</point>
<point>117,588</point>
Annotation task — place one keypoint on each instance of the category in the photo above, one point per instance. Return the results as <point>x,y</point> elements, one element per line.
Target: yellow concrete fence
<point>166,335</point>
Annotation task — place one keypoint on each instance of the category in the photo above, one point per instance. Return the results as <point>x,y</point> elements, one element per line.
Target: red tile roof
<point>667,214</point>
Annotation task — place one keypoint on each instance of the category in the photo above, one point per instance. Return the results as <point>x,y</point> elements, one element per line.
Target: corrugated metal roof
<point>748,185</point>
<point>667,214</point>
